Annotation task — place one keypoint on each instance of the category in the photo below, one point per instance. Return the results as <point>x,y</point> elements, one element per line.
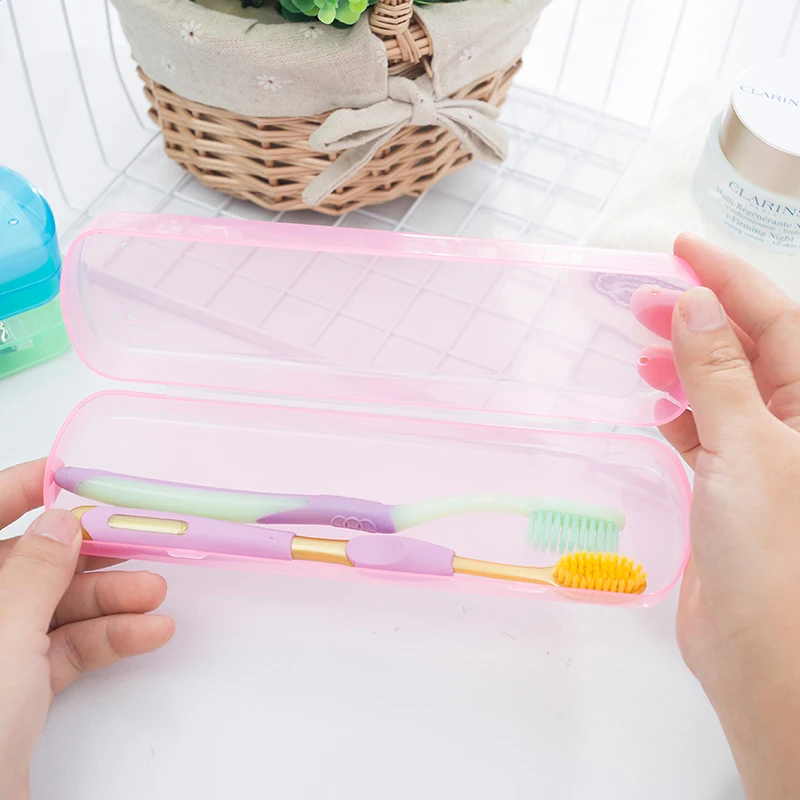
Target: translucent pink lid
<point>367,316</point>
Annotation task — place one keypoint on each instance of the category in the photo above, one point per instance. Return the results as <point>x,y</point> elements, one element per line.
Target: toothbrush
<point>596,571</point>
<point>553,525</point>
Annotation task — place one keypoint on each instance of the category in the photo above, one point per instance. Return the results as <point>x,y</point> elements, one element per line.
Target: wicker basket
<point>269,161</point>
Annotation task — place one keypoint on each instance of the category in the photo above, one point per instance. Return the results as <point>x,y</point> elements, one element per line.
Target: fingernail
<point>701,311</point>
<point>60,526</point>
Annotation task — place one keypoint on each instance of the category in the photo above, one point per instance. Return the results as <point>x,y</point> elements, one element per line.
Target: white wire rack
<point>596,77</point>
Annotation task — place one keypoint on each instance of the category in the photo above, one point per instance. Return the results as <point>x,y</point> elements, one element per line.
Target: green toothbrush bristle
<point>555,532</point>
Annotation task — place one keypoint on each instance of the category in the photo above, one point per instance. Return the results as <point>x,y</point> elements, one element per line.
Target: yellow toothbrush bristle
<point>602,572</point>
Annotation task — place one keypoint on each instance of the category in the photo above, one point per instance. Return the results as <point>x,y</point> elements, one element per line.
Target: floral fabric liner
<point>300,70</point>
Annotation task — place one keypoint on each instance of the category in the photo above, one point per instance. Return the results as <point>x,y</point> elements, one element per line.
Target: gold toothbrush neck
<point>334,551</point>
<point>503,572</point>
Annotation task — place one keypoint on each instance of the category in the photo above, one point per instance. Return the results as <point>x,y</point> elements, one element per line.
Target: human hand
<point>56,624</point>
<point>739,613</point>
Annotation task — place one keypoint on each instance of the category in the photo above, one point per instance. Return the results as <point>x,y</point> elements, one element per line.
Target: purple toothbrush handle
<point>400,554</point>
<point>203,534</point>
<point>367,516</point>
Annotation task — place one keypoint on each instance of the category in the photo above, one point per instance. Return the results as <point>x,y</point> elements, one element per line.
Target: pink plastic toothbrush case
<point>386,366</point>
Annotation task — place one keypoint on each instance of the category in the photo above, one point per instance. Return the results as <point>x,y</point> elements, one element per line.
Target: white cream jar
<point>748,178</point>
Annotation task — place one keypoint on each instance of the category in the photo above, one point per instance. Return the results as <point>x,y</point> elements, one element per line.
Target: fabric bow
<point>363,131</point>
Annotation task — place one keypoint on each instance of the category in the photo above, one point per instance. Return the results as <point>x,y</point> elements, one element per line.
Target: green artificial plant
<point>340,13</point>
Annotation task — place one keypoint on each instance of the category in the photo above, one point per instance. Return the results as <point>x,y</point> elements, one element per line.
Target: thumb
<point>39,569</point>
<point>715,372</point>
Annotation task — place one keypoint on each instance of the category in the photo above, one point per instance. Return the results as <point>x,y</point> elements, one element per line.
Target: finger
<point>39,569</point>
<point>681,433</point>
<point>21,490</point>
<point>6,545</point>
<point>657,368</point>
<point>81,647</point>
<point>106,593</point>
<point>760,309</point>
<point>653,306</point>
<point>765,385</point>
<point>749,297</point>
<point>85,563</point>
<point>714,370</point>
<point>93,563</point>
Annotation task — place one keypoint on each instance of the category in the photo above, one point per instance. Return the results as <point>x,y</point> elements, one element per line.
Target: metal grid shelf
<point>564,160</point>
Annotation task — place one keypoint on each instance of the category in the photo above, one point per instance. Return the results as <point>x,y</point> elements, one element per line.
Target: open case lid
<point>367,316</point>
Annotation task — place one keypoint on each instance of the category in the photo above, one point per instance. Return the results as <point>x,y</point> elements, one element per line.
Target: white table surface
<point>279,687</point>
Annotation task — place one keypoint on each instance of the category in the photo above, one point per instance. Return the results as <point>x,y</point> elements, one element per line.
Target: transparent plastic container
<point>383,366</point>
<point>31,328</point>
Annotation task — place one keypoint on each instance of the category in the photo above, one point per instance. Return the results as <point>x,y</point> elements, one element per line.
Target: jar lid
<point>760,131</point>
<point>30,260</point>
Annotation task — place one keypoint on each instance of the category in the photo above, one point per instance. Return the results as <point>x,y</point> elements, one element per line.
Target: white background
<point>291,689</point>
